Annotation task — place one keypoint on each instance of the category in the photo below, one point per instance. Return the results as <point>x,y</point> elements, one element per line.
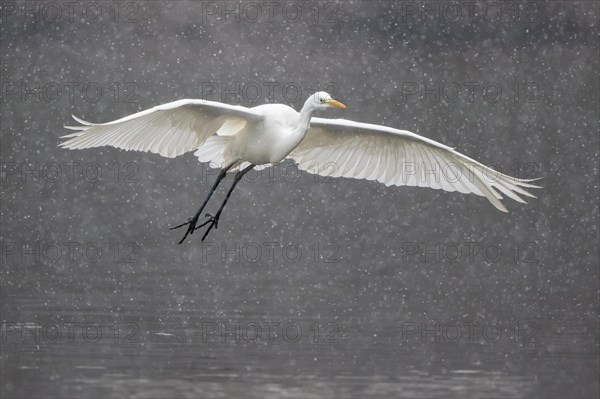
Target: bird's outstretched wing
<point>169,130</point>
<point>343,148</point>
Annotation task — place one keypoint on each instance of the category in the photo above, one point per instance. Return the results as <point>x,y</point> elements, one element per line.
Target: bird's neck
<point>304,120</point>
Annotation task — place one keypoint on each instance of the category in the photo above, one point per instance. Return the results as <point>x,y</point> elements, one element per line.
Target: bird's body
<point>269,140</point>
<point>237,138</point>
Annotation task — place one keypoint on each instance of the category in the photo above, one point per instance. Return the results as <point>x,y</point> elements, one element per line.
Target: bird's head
<point>322,100</point>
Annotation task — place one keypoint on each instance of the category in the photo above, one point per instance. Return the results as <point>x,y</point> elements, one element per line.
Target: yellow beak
<point>336,103</point>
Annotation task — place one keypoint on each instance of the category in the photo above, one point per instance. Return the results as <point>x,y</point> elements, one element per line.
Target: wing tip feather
<point>86,123</point>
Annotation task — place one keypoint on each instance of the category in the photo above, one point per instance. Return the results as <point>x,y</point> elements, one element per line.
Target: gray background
<point>344,256</point>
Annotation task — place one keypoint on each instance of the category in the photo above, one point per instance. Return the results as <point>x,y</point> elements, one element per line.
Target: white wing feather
<point>169,130</point>
<point>343,148</point>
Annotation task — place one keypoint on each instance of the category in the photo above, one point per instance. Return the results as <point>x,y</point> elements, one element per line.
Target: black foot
<point>183,224</point>
<point>213,221</point>
<point>191,223</point>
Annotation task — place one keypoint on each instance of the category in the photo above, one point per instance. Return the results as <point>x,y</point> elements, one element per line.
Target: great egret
<point>240,138</point>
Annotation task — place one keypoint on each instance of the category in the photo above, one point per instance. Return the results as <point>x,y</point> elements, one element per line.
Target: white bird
<point>239,139</point>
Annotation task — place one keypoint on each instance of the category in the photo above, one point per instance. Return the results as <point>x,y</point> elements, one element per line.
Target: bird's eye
<point>322,100</point>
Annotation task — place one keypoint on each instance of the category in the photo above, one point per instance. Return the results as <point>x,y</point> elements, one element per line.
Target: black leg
<point>214,220</point>
<point>191,222</point>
